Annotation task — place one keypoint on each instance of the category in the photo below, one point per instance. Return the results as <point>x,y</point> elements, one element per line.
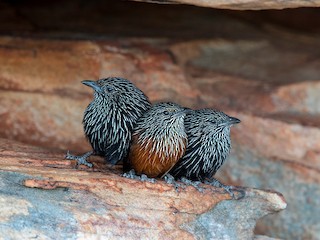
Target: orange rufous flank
<point>145,160</point>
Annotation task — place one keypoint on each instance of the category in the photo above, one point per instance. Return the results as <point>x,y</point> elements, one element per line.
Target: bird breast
<point>155,156</point>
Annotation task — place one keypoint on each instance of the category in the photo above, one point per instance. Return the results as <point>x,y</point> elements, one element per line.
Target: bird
<point>209,144</point>
<point>159,140</point>
<point>109,119</point>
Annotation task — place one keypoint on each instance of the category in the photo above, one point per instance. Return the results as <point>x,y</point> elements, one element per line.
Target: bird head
<point>163,119</point>
<point>102,87</point>
<point>215,120</point>
<point>119,91</point>
<point>163,124</point>
<point>167,112</point>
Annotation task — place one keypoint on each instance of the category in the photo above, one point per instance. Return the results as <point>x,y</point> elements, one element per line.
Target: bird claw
<point>169,179</point>
<point>195,184</point>
<point>132,175</point>
<point>216,183</point>
<point>80,160</point>
<point>229,189</point>
<point>145,178</point>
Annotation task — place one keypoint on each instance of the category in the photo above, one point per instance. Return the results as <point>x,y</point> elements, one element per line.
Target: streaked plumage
<point>109,119</point>
<point>159,140</point>
<point>209,144</point>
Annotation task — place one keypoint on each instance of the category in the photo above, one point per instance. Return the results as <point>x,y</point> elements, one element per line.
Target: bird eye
<point>109,89</point>
<point>166,112</point>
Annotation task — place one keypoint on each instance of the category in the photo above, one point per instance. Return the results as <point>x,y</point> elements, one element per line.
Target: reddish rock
<point>273,147</point>
<point>42,99</point>
<point>280,140</point>
<point>269,153</point>
<point>45,195</point>
<point>42,119</point>
<point>276,145</point>
<point>242,4</point>
<point>152,69</point>
<point>300,98</point>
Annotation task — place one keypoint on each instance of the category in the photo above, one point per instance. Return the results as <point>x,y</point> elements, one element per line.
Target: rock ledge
<point>44,196</point>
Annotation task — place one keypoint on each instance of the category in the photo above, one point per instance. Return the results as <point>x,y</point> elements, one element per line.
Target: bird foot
<point>195,184</point>
<point>81,160</point>
<point>169,179</point>
<point>132,175</point>
<point>216,183</point>
<point>145,178</point>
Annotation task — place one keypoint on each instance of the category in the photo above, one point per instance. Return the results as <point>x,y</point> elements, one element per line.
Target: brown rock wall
<point>42,104</point>
<point>43,100</point>
<point>262,67</point>
<point>272,87</point>
<point>278,139</point>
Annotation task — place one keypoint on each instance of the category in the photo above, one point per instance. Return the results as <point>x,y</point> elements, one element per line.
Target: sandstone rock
<point>299,183</point>
<point>42,99</point>
<point>262,237</point>
<point>254,69</point>
<point>302,98</point>
<point>241,4</point>
<point>273,147</point>
<point>43,196</point>
<point>279,140</point>
<point>276,145</point>
<point>252,58</point>
<point>278,157</point>
<point>118,19</point>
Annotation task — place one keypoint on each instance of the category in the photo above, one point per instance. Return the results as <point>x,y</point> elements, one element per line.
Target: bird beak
<point>230,121</point>
<point>92,84</point>
<point>233,120</point>
<point>187,110</point>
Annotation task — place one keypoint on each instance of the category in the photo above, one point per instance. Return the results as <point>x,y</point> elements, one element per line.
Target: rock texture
<point>260,66</point>
<point>277,143</point>
<point>78,19</point>
<point>274,134</point>
<point>42,80</point>
<point>43,196</point>
<point>241,4</point>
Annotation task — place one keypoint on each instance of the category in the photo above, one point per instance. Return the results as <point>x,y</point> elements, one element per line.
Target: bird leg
<point>80,159</point>
<point>216,183</point>
<point>132,175</point>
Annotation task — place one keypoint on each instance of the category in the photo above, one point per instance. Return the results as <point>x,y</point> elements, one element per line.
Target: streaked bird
<point>159,140</point>
<point>109,119</point>
<point>209,144</point>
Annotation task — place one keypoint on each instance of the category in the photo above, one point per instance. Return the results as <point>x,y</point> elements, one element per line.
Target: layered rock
<point>277,143</point>
<point>241,4</point>
<point>254,70</point>
<point>43,196</point>
<point>43,100</point>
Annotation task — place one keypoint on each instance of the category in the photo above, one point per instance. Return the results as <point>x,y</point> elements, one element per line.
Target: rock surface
<point>274,134</point>
<point>76,19</point>
<point>259,66</point>
<point>42,79</point>
<point>43,196</point>
<point>276,145</point>
<point>242,4</point>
